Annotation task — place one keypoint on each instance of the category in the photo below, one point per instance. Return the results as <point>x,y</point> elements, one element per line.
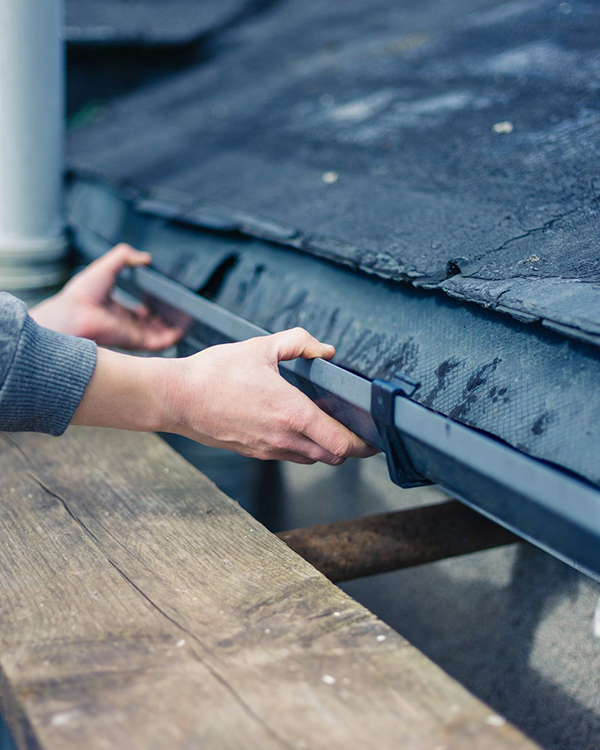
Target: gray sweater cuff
<point>47,380</point>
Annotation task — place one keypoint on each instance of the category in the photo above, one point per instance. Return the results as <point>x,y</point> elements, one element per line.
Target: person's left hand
<point>84,307</point>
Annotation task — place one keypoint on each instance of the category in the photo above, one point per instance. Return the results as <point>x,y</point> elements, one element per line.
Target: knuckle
<point>279,443</point>
<point>342,448</point>
<point>264,454</point>
<point>301,333</point>
<point>295,419</point>
<point>122,247</point>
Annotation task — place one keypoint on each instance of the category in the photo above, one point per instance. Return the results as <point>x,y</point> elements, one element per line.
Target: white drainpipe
<point>32,72</point>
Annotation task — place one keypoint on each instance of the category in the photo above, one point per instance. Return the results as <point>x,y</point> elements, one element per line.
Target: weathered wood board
<point>141,608</point>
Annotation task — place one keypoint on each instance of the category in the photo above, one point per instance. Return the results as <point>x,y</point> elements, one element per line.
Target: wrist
<point>149,394</point>
<point>167,394</point>
<point>181,395</point>
<point>127,392</point>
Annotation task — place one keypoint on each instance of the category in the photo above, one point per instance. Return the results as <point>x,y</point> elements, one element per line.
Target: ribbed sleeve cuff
<point>47,380</point>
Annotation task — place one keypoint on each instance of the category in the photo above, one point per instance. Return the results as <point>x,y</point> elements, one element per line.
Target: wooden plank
<point>141,608</point>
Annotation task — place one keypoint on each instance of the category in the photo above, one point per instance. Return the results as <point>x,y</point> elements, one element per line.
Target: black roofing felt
<point>527,385</point>
<point>147,21</point>
<point>451,144</point>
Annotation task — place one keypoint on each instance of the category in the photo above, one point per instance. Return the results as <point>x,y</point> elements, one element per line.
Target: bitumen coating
<point>452,145</point>
<point>518,381</point>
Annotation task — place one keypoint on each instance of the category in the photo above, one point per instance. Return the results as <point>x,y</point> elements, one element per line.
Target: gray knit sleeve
<point>43,374</point>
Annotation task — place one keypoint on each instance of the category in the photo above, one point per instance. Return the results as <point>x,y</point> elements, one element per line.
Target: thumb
<point>299,343</point>
<point>115,260</point>
<point>100,276</point>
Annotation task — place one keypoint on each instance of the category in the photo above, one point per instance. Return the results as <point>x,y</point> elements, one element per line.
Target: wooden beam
<point>359,547</point>
<point>141,609</point>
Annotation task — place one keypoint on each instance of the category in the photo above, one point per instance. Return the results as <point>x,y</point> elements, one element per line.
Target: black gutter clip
<point>383,397</point>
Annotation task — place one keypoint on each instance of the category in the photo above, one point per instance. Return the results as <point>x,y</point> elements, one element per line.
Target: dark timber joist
<point>375,544</point>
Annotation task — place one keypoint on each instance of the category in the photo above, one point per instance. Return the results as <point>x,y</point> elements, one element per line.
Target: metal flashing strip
<point>541,503</point>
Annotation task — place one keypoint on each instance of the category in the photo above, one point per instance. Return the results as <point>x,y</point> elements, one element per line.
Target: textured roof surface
<point>452,144</point>
<point>147,21</point>
<point>529,386</point>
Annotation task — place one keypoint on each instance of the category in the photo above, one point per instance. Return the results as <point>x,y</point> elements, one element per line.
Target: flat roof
<point>451,145</point>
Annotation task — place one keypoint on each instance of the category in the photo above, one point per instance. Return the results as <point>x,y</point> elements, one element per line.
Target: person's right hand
<point>232,396</point>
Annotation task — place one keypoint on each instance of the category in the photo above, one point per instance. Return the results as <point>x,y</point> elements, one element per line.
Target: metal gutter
<point>539,502</point>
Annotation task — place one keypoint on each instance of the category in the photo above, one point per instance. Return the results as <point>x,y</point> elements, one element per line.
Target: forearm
<point>127,392</point>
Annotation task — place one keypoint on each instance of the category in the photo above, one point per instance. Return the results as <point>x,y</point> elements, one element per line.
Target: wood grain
<point>141,608</point>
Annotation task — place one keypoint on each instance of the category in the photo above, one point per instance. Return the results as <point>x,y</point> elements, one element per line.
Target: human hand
<point>233,397</point>
<point>230,396</point>
<point>84,307</point>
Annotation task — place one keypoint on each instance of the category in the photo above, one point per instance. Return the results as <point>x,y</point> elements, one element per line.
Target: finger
<point>120,256</point>
<point>296,458</point>
<point>153,335</point>
<point>160,338</point>
<point>149,334</point>
<point>304,446</point>
<point>141,311</point>
<point>298,343</point>
<point>331,435</point>
<point>146,331</point>
<point>109,265</point>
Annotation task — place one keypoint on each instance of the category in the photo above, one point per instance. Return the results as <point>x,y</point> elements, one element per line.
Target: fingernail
<point>140,259</point>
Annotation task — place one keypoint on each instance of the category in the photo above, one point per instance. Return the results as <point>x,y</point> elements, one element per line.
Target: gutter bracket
<point>383,398</point>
